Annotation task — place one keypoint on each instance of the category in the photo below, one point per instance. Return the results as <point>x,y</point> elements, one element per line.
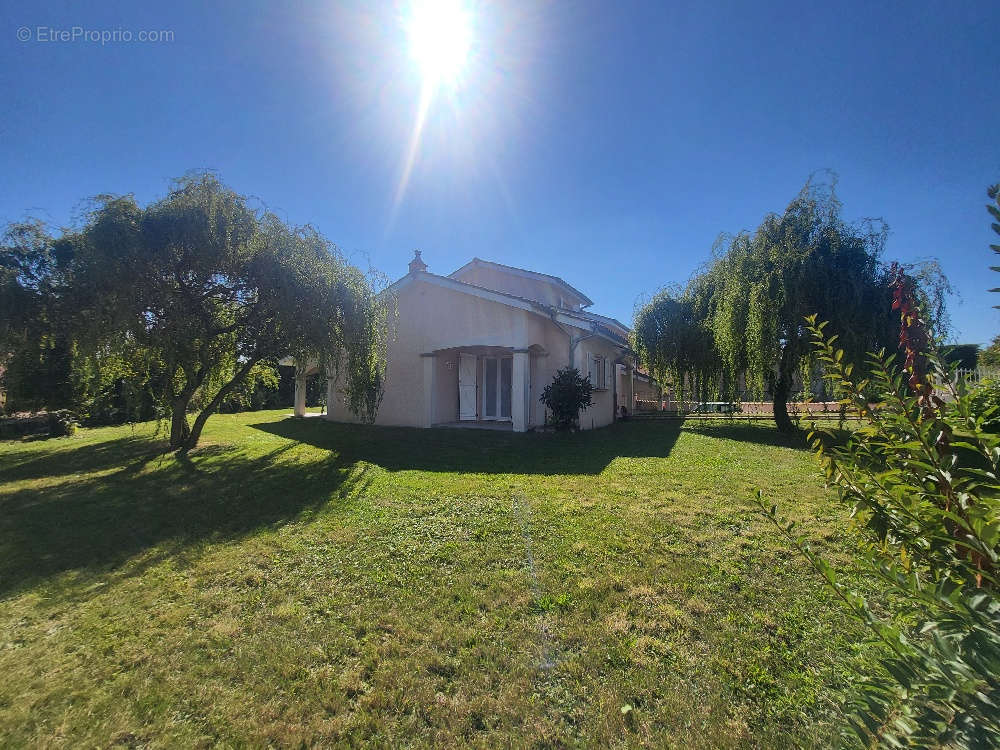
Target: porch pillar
<point>430,388</point>
<point>630,386</point>
<point>519,390</point>
<point>331,394</point>
<point>300,393</point>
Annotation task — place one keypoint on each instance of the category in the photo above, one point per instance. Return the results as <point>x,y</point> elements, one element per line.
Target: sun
<point>440,36</point>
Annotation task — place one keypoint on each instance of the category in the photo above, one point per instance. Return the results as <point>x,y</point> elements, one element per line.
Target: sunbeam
<point>423,106</point>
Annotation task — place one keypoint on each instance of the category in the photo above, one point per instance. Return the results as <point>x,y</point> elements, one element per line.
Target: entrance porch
<point>479,386</point>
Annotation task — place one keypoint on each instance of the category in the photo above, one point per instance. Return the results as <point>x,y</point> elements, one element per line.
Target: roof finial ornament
<point>417,264</point>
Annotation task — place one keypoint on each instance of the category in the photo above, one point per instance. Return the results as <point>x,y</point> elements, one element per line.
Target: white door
<point>497,380</point>
<point>466,386</point>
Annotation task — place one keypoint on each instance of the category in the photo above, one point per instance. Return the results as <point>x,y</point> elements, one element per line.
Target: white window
<point>597,371</point>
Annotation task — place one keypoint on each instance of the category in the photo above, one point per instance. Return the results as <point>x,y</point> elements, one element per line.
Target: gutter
<point>574,341</point>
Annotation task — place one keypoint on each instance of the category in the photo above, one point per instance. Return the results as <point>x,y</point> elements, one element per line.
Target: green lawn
<point>301,582</point>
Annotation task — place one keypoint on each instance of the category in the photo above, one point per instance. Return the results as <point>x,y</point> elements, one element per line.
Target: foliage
<point>994,208</point>
<point>43,366</point>
<point>62,423</point>
<point>191,300</point>
<point>41,371</point>
<point>565,396</point>
<point>990,356</point>
<point>673,344</point>
<point>985,400</point>
<point>36,357</point>
<point>931,289</point>
<point>255,391</point>
<point>744,311</point>
<point>26,272</point>
<point>921,476</point>
<point>965,356</point>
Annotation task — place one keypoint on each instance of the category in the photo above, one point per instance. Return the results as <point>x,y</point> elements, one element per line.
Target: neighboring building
<point>479,345</point>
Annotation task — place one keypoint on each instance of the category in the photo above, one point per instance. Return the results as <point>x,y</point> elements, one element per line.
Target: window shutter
<point>608,370</point>
<point>590,367</point>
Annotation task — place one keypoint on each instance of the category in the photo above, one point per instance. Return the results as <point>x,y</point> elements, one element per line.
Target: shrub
<point>62,423</point>
<point>921,477</point>
<point>985,398</point>
<point>565,396</point>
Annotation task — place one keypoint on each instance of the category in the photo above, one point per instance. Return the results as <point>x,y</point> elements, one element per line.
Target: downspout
<point>573,344</point>
<point>614,392</point>
<point>574,341</point>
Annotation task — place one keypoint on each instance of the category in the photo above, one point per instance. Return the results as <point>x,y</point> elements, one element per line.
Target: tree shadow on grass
<point>748,433</point>
<point>61,457</point>
<point>472,451</point>
<point>97,525</point>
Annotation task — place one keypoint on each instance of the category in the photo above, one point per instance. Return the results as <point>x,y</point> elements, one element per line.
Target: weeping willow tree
<point>742,319</point>
<point>674,344</point>
<point>199,294</point>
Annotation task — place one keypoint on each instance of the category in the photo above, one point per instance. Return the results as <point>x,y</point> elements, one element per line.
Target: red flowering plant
<point>914,341</point>
<point>920,474</point>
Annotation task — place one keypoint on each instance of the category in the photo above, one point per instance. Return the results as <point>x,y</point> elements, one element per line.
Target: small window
<point>597,371</point>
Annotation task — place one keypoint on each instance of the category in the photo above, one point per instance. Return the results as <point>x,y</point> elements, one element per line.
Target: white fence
<point>977,375</point>
<point>734,407</point>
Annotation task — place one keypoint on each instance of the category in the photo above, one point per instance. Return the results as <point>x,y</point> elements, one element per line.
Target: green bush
<point>921,477</point>
<point>565,396</point>
<point>62,423</point>
<point>985,397</point>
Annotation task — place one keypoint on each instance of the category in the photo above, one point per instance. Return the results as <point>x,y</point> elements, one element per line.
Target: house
<point>476,348</point>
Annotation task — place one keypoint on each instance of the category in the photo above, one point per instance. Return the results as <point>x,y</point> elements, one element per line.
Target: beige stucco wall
<point>641,389</point>
<point>602,410</point>
<point>646,390</point>
<point>521,286</point>
<point>446,321</point>
<point>446,384</point>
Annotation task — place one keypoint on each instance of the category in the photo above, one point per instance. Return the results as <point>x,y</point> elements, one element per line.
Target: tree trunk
<point>180,431</point>
<point>199,423</point>
<point>781,418</point>
<point>782,387</point>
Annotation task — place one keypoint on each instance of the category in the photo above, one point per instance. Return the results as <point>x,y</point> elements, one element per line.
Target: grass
<point>300,582</point>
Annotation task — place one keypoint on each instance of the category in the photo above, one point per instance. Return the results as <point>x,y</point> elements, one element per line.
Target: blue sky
<point>609,143</point>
